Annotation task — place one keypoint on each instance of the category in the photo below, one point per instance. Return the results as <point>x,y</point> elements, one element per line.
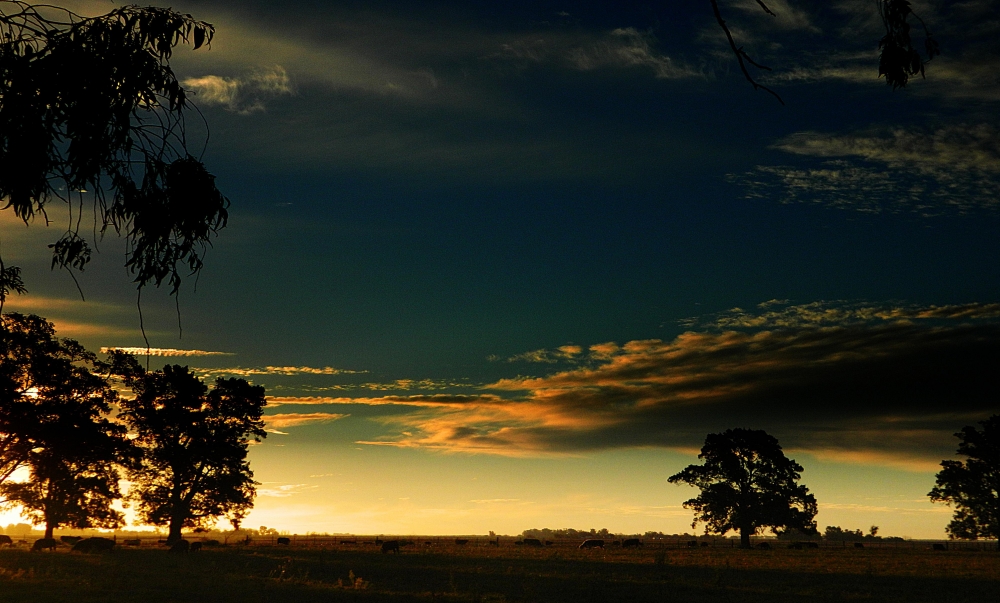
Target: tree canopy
<point>747,484</point>
<point>92,115</point>
<point>54,420</point>
<point>973,486</point>
<point>193,442</point>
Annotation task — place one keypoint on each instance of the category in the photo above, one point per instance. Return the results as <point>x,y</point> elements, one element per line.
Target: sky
<point>504,266</point>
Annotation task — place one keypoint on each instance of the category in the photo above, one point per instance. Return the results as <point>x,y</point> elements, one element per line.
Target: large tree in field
<point>57,422</point>
<point>747,484</point>
<point>973,486</point>
<point>91,115</point>
<point>193,443</point>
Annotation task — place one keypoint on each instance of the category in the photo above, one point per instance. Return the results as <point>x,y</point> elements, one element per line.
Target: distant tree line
<point>79,425</point>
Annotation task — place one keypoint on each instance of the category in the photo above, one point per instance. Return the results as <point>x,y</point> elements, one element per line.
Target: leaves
<point>899,59</point>
<point>195,441</point>
<point>93,105</point>
<point>973,486</point>
<point>747,484</point>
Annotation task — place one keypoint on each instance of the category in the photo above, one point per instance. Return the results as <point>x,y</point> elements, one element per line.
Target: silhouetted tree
<point>60,429</point>
<point>91,114</point>
<point>747,484</point>
<point>194,444</point>
<point>973,486</point>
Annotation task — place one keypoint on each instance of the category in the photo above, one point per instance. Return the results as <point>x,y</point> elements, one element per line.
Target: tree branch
<point>741,55</point>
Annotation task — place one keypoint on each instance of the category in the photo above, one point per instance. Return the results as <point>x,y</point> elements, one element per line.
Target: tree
<point>59,428</point>
<point>747,484</point>
<point>898,59</point>
<point>91,114</point>
<point>973,486</point>
<point>194,445</point>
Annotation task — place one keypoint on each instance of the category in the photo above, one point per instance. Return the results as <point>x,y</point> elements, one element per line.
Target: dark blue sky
<point>453,198</point>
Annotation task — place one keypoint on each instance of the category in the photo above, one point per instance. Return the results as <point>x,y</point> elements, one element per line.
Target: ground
<point>309,571</point>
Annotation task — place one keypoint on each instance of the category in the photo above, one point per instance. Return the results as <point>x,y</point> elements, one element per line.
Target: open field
<point>482,573</point>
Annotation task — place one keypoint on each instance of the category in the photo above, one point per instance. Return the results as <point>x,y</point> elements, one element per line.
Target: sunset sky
<point>504,265</point>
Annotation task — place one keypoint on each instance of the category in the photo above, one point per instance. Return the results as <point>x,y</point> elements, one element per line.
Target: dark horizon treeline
<point>182,445</point>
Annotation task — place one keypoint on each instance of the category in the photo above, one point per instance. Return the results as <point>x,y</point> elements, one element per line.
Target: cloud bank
<point>951,169</point>
<point>861,383</point>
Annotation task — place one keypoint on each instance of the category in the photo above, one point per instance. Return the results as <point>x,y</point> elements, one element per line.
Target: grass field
<point>492,575</point>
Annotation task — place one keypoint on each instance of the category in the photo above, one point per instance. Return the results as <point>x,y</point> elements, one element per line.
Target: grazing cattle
<point>94,545</point>
<point>71,540</point>
<point>196,546</point>
<point>5,539</point>
<point>45,543</point>
<point>180,546</point>
<point>461,541</point>
<point>630,543</point>
<point>390,545</point>
<point>211,542</point>
<point>532,542</point>
<point>549,543</point>
<point>592,543</point>
<point>859,545</point>
<point>764,546</point>
<point>939,547</point>
<point>132,542</point>
<point>284,541</point>
<point>692,544</point>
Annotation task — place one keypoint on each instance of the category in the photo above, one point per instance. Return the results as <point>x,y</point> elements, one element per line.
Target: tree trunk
<point>745,533</point>
<point>49,528</point>
<point>175,530</point>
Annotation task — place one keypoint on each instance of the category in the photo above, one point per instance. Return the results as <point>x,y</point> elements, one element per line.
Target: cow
<point>211,542</point>
<point>764,546</point>
<point>71,540</point>
<point>592,543</point>
<point>94,545</point>
<point>630,543</point>
<point>5,539</point>
<point>532,542</point>
<point>461,541</point>
<point>196,546</point>
<point>939,547</point>
<point>45,543</point>
<point>390,545</point>
<point>859,545</point>
<point>692,544</point>
<point>284,541</point>
<point>180,546</point>
<point>132,542</point>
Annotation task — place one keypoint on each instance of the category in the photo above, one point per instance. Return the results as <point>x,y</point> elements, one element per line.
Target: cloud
<point>169,352</point>
<point>284,490</point>
<point>243,95</point>
<point>274,370</point>
<point>953,168</point>
<point>284,421</point>
<point>861,383</point>
<point>561,354</point>
<point>621,48</point>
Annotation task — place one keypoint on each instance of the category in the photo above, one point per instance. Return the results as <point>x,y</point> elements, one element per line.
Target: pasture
<point>440,570</point>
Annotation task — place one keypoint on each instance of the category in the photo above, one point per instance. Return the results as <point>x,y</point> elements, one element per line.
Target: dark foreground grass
<point>490,575</point>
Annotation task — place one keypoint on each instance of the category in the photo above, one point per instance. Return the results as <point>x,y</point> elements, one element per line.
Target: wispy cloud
<point>954,168</point>
<point>169,352</point>
<point>286,420</point>
<point>283,490</point>
<point>274,370</point>
<point>244,95</point>
<point>620,48</point>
